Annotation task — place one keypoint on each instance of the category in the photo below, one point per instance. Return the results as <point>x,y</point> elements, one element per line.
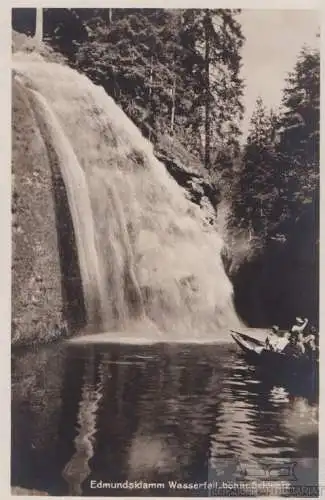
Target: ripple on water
<point>149,412</point>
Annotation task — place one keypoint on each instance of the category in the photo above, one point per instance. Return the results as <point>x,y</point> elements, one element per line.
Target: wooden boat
<point>298,375</point>
<point>256,352</point>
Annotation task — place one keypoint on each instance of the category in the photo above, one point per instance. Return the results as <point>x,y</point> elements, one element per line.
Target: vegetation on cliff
<point>175,72</point>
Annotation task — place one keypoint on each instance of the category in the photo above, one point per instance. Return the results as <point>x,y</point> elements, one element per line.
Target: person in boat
<point>299,326</point>
<point>276,342</point>
<point>310,342</point>
<point>295,346</point>
<point>272,339</point>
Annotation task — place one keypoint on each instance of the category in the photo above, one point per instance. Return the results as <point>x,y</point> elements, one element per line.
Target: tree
<point>173,71</point>
<point>287,228</point>
<point>259,182</point>
<point>279,179</point>
<point>39,26</point>
<point>128,53</point>
<point>65,29</point>
<point>216,42</point>
<point>299,132</point>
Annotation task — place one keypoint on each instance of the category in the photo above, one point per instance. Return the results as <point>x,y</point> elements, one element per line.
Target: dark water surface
<point>160,413</point>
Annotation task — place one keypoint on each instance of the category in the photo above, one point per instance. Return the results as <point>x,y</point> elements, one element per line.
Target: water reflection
<point>155,413</point>
<point>77,469</point>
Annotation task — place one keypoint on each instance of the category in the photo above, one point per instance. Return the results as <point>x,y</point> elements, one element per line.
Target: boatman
<point>310,340</point>
<point>297,335</point>
<point>299,326</point>
<point>275,342</point>
<point>272,338</point>
<point>282,342</point>
<point>295,346</point>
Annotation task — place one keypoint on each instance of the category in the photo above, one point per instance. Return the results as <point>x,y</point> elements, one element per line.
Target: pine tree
<point>299,131</point>
<point>259,182</point>
<point>216,42</point>
<point>278,183</point>
<point>65,29</point>
<point>173,71</point>
<point>132,54</point>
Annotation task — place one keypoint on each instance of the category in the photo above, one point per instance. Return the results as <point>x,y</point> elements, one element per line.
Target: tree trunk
<point>151,77</point>
<point>150,97</point>
<point>207,93</point>
<point>39,26</point>
<point>173,105</point>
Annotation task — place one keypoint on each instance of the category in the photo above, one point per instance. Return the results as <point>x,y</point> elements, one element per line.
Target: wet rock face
<point>39,295</point>
<point>197,187</point>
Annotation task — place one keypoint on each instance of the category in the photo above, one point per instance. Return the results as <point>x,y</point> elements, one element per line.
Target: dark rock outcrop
<point>194,183</point>
<point>281,281</point>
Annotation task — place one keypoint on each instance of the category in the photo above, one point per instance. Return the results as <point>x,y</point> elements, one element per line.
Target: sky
<point>274,39</point>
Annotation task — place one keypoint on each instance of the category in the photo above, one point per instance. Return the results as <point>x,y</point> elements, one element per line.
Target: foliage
<point>154,63</point>
<point>280,166</point>
<point>26,44</point>
<point>300,129</point>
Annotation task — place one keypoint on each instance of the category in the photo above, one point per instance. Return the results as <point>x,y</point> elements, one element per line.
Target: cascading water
<point>145,251</point>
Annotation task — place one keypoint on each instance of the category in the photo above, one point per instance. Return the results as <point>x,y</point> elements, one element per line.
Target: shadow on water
<point>85,414</point>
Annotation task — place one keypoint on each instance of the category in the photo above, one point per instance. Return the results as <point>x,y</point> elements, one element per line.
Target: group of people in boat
<point>294,342</point>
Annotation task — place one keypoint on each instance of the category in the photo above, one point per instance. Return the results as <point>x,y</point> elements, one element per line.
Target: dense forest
<point>177,75</point>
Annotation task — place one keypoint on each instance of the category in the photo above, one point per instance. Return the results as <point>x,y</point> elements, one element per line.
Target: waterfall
<point>80,206</point>
<point>146,253</point>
